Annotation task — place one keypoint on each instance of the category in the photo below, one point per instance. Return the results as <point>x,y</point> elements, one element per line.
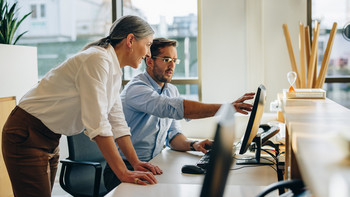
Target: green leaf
<point>18,37</point>
<point>9,23</point>
<point>12,29</point>
<point>2,38</point>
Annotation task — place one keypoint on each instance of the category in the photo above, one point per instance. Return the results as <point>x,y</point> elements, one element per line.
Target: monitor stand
<point>257,159</point>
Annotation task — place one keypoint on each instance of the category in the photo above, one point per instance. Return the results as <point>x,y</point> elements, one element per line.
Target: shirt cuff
<point>178,105</point>
<point>172,137</point>
<point>121,132</point>
<point>101,132</point>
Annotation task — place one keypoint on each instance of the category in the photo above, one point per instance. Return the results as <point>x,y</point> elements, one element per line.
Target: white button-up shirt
<point>83,92</point>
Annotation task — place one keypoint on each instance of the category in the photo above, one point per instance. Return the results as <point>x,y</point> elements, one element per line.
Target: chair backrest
<point>81,148</point>
<point>80,174</point>
<point>296,187</point>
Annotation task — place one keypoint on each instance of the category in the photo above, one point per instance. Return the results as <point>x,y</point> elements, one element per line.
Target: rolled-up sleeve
<point>173,131</point>
<point>143,98</point>
<point>117,119</point>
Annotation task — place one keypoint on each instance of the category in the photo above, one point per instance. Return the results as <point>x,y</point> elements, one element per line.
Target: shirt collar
<point>155,84</point>
<point>116,66</point>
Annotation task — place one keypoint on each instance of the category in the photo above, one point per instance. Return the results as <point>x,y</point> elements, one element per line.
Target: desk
<point>312,151</point>
<point>244,182</point>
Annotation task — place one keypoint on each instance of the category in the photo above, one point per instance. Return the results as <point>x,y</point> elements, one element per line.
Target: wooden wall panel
<point>6,106</point>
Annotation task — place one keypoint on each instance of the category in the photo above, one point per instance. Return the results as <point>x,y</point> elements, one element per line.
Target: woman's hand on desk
<point>147,167</point>
<point>138,177</point>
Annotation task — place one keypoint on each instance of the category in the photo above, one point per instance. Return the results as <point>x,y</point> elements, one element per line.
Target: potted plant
<point>9,23</point>
<point>16,62</point>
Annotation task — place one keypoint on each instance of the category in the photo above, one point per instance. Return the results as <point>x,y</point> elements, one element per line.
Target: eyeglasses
<point>168,59</point>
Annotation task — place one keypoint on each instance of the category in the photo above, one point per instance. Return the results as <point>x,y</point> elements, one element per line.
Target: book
<point>302,93</point>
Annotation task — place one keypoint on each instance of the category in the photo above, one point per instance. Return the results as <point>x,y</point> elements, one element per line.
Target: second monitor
<point>251,133</point>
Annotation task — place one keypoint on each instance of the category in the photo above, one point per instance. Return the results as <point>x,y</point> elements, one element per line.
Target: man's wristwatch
<point>191,145</point>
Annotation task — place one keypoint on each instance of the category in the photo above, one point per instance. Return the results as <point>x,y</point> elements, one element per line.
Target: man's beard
<point>160,76</point>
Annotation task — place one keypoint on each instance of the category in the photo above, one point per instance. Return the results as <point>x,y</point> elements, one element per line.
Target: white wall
<point>227,46</point>
<point>223,35</point>
<point>242,46</point>
<point>222,56</point>
<point>276,58</point>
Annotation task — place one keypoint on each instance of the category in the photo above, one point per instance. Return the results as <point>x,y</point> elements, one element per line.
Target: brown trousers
<point>30,153</point>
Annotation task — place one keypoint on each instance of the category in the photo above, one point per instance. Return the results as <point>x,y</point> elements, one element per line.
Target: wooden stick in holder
<point>325,61</point>
<point>302,55</point>
<point>316,63</point>
<point>311,70</point>
<point>315,71</point>
<point>291,54</point>
<point>307,46</point>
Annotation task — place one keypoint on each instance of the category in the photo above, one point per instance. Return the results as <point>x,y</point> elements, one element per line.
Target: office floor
<point>58,191</point>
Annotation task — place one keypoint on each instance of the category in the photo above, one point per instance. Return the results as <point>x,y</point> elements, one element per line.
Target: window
<point>174,20</point>
<point>60,29</point>
<point>338,74</point>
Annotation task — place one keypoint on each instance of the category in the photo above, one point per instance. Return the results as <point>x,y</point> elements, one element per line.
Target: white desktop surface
<point>247,181</point>
<point>180,190</point>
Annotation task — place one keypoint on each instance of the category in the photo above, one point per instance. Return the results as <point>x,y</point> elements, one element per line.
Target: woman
<point>81,93</point>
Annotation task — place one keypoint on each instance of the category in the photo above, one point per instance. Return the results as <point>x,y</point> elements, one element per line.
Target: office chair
<point>296,187</point>
<point>81,171</point>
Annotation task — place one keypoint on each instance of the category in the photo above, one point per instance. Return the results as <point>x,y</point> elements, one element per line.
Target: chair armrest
<point>71,162</point>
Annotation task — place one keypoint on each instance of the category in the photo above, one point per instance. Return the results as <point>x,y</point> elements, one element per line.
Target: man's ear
<point>149,61</point>
<point>130,39</point>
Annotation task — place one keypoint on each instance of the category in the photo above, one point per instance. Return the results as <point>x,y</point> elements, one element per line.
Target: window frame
<point>338,79</point>
<point>117,12</point>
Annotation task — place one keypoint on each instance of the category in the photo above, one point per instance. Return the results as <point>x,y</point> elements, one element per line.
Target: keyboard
<point>203,162</point>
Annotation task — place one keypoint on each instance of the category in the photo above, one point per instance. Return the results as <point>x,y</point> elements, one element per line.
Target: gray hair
<point>121,28</point>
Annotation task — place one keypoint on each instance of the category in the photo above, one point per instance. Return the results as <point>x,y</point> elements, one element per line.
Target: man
<point>152,108</point>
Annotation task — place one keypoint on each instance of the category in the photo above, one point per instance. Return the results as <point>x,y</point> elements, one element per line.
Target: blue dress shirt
<point>152,114</point>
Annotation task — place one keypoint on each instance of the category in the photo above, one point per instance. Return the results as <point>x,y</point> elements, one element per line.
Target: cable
<point>273,162</point>
<point>255,166</point>
<point>273,168</point>
<point>281,153</point>
<point>270,150</point>
<point>273,156</point>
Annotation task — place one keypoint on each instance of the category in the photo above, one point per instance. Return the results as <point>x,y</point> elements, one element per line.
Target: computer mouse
<point>192,169</point>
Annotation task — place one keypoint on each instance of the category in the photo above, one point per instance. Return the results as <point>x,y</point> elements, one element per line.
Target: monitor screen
<point>220,159</point>
<point>254,119</point>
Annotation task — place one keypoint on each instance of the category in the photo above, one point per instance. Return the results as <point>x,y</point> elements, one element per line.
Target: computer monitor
<point>220,159</point>
<point>250,134</point>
